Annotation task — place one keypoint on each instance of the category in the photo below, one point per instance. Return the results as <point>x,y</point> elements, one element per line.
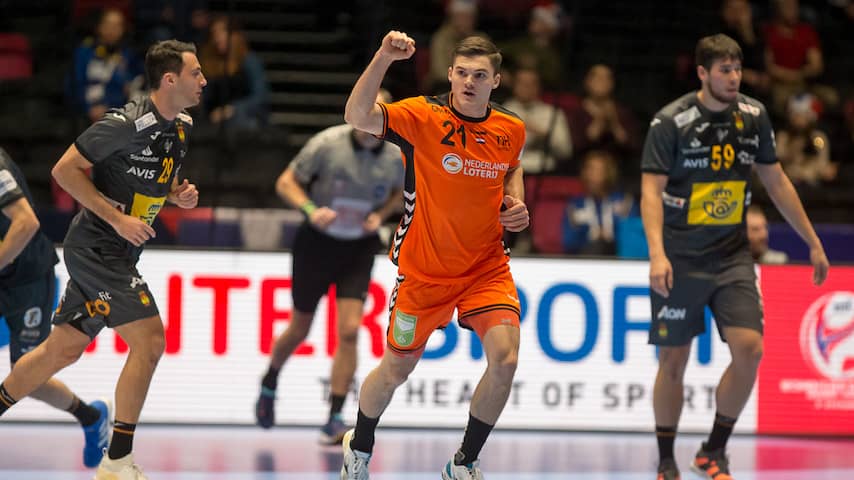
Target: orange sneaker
<point>711,464</point>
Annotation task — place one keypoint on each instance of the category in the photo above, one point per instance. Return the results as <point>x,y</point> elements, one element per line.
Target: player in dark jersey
<point>697,164</point>
<point>135,153</point>
<point>27,291</point>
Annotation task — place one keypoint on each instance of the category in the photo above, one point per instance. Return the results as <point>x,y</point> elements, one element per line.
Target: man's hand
<point>133,230</point>
<point>322,217</point>
<point>820,265</point>
<point>661,275</point>
<point>397,46</point>
<point>514,215</point>
<point>184,195</point>
<point>372,222</point>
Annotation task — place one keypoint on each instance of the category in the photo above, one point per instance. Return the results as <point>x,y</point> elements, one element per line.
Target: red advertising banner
<point>806,378</point>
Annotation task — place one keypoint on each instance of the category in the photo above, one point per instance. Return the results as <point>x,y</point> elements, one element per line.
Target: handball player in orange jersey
<point>463,187</point>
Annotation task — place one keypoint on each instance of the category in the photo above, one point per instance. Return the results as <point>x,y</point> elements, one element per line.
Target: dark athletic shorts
<point>320,261</point>
<point>27,309</point>
<point>104,291</point>
<point>728,286</point>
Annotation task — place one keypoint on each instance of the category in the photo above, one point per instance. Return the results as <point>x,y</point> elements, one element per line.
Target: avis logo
<point>827,335</point>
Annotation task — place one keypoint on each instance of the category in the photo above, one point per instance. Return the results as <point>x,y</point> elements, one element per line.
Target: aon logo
<point>669,313</point>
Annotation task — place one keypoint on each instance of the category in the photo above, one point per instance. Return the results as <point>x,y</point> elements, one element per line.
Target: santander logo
<point>827,335</point>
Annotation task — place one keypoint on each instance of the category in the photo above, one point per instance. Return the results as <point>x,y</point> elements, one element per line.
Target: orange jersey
<point>454,188</point>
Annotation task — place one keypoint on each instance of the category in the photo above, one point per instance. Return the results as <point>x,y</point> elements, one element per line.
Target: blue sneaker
<point>265,415</point>
<point>333,432</point>
<point>97,435</point>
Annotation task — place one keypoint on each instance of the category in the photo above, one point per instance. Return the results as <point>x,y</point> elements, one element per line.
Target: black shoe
<point>667,470</point>
<point>711,464</point>
<point>265,415</point>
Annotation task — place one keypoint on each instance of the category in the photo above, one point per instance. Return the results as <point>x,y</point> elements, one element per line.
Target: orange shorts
<point>418,308</point>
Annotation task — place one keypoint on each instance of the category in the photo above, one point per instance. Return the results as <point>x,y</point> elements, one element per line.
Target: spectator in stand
<point>601,123</point>
<point>460,22</point>
<point>589,226</point>
<point>794,58</point>
<point>185,20</point>
<point>548,144</point>
<point>105,73</point>
<point>757,236</point>
<point>737,23</point>
<point>237,95</point>
<point>846,143</point>
<point>802,148</point>
<point>538,49</point>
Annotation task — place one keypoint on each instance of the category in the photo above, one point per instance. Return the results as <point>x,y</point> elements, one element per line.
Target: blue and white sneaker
<point>355,462</point>
<point>333,432</point>
<point>97,435</point>
<point>462,472</point>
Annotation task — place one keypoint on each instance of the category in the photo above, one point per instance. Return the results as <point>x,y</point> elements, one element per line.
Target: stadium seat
<point>83,8</point>
<point>208,233</point>
<point>568,102</point>
<point>837,240</point>
<point>631,239</point>
<point>546,225</point>
<point>559,187</point>
<point>16,61</point>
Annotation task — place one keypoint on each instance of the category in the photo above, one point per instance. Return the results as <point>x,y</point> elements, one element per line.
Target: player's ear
<point>702,72</point>
<point>496,81</point>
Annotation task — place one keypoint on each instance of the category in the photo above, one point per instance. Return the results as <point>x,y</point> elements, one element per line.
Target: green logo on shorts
<point>404,328</point>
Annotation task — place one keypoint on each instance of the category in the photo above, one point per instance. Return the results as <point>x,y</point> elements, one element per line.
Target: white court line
<point>833,474</point>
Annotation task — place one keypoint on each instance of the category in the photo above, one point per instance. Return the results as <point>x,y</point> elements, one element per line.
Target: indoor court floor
<point>52,452</point>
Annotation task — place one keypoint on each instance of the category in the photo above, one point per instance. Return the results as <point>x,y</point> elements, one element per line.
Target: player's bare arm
<point>652,212</point>
<point>362,111</point>
<point>514,216</point>
<point>24,224</point>
<point>786,200</point>
<point>292,193</point>
<point>185,194</point>
<point>70,174</point>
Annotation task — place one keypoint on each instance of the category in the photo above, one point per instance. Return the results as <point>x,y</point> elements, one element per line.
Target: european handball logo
<point>452,163</point>
<point>827,335</point>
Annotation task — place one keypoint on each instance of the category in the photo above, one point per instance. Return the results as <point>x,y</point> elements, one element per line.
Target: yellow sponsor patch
<point>146,208</point>
<point>716,203</point>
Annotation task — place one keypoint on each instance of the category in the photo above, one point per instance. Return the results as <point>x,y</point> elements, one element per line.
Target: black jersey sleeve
<point>10,190</point>
<point>660,145</point>
<point>767,143</point>
<point>105,137</point>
